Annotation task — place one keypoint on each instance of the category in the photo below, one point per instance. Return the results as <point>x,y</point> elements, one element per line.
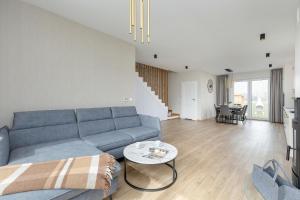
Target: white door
<point>189,100</point>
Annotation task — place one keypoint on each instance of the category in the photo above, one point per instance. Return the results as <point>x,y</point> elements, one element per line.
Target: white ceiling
<point>204,34</point>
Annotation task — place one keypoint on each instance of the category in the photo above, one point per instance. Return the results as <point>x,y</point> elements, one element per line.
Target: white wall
<point>297,55</point>
<point>250,75</point>
<point>147,102</point>
<point>288,86</point>
<point>48,62</point>
<point>206,100</point>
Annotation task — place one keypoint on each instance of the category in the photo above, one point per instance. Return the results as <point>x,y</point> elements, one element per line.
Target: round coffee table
<point>139,153</point>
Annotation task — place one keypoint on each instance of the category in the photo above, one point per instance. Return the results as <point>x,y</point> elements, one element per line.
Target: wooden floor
<point>214,161</point>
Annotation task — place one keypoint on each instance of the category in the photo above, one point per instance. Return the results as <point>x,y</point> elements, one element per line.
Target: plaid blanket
<point>90,172</point>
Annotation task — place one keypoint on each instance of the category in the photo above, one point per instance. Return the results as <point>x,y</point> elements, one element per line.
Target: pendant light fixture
<point>133,19</point>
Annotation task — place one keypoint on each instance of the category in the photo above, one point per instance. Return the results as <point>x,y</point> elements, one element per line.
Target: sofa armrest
<point>4,146</point>
<point>149,121</point>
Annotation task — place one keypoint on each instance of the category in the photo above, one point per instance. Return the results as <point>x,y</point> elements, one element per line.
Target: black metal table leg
<point>125,170</point>
<point>174,172</point>
<point>174,178</point>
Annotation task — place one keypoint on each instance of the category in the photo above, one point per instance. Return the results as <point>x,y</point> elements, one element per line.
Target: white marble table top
<point>138,152</point>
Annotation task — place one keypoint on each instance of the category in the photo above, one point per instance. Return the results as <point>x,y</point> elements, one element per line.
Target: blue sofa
<point>39,136</point>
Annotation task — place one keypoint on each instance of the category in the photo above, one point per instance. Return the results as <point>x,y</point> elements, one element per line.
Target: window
<point>255,94</point>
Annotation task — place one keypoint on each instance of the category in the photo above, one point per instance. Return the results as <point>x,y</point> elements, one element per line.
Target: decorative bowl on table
<point>157,153</point>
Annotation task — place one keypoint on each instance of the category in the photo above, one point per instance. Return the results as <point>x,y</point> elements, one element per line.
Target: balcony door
<point>255,94</point>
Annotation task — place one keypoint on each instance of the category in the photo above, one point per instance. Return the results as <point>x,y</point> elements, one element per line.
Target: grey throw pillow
<point>4,146</point>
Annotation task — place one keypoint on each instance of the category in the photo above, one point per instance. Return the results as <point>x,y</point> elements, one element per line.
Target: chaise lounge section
<point>112,129</point>
<point>39,136</point>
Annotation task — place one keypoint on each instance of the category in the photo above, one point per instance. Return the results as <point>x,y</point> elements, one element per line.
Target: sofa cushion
<point>33,119</point>
<point>93,121</point>
<point>32,136</point>
<point>141,133</point>
<point>4,146</point>
<point>125,117</point>
<point>90,114</point>
<point>52,151</point>
<point>30,128</point>
<point>123,111</point>
<point>117,152</point>
<point>109,140</point>
<point>127,122</point>
<point>95,127</point>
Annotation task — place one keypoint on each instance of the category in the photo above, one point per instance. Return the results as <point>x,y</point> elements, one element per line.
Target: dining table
<point>233,109</point>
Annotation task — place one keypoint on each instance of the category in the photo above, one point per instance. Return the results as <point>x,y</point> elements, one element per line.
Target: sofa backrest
<point>93,121</point>
<point>37,127</point>
<point>125,117</point>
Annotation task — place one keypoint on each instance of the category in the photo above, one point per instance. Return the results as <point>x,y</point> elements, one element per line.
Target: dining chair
<point>217,112</point>
<point>225,113</point>
<point>241,115</point>
<point>244,113</point>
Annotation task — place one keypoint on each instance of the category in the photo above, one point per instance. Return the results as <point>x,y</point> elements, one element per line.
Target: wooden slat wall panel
<point>155,78</point>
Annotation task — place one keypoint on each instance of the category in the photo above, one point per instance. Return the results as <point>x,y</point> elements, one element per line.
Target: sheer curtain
<point>276,96</point>
<point>222,90</point>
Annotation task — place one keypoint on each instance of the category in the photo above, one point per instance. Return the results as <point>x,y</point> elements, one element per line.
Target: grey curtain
<point>222,90</point>
<point>276,96</point>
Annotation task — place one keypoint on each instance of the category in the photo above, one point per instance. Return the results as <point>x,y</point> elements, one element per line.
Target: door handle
<point>288,150</point>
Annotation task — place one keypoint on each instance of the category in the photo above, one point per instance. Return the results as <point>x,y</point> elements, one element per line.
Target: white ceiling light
<point>133,19</point>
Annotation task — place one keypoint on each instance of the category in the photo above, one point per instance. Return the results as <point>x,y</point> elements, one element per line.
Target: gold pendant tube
<point>142,19</point>
<point>130,17</point>
<point>148,22</point>
<point>134,20</point>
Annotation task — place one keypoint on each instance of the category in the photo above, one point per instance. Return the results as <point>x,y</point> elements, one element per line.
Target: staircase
<point>172,115</point>
<point>147,102</point>
<point>156,79</point>
<point>156,82</point>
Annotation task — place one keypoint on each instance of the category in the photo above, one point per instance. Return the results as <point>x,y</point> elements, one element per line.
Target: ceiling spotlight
<point>270,65</point>
<point>262,36</point>
<point>228,70</point>
<point>155,56</point>
<point>268,55</point>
